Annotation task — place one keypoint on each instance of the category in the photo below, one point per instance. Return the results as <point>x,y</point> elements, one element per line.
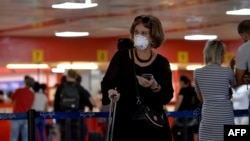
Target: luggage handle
<point>112,111</point>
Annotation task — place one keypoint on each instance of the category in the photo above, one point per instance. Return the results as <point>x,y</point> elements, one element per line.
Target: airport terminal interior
<point>32,43</point>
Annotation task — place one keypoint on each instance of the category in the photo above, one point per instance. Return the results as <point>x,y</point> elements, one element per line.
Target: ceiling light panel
<point>27,66</point>
<point>75,5</point>
<point>200,37</point>
<point>244,11</point>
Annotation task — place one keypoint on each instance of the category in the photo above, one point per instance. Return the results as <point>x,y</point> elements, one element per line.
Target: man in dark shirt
<point>187,100</point>
<point>72,128</point>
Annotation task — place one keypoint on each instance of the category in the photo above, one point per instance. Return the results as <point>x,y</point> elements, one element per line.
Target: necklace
<point>142,60</point>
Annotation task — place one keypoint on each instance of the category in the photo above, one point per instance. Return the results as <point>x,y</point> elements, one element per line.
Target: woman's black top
<point>120,76</point>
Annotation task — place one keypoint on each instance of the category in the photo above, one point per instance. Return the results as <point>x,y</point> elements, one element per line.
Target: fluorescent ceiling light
<point>84,66</point>
<point>193,67</point>
<point>173,67</point>
<point>75,5</point>
<point>58,70</point>
<point>71,34</point>
<point>200,37</point>
<point>27,66</point>
<point>244,11</point>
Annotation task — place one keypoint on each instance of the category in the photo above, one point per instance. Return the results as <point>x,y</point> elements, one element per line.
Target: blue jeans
<point>40,127</point>
<point>18,126</point>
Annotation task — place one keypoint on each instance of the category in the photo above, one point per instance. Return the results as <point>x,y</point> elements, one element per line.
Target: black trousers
<point>72,129</point>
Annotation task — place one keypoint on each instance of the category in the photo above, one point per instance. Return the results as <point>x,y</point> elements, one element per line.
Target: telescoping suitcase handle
<point>111,119</point>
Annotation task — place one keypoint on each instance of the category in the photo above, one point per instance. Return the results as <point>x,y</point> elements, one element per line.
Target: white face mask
<point>140,42</point>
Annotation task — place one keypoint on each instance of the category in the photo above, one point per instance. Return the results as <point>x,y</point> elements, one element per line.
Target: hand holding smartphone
<point>148,76</point>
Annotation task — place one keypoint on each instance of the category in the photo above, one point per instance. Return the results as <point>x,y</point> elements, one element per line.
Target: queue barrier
<point>31,115</point>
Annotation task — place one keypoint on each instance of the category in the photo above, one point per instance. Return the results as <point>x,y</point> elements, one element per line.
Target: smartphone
<point>147,75</point>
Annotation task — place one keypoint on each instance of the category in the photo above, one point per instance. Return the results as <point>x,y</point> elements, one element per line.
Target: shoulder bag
<point>143,112</point>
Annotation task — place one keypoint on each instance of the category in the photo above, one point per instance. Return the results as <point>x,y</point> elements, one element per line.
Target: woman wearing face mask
<point>119,82</point>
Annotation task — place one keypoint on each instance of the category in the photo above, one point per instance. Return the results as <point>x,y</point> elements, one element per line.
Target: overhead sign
<point>182,57</point>
<point>102,55</point>
<point>37,56</point>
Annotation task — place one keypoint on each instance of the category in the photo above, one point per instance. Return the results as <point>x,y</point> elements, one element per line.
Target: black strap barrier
<point>31,115</point>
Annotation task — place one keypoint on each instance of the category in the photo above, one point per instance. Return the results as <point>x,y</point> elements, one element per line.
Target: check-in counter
<point>5,124</point>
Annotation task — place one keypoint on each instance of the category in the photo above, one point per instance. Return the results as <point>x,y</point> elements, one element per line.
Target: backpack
<point>69,98</point>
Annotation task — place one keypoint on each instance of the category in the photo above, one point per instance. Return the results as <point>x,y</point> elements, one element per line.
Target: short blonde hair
<point>155,28</point>
<point>214,51</point>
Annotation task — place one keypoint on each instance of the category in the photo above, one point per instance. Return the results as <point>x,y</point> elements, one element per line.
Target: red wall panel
<point>171,48</point>
<point>19,49</point>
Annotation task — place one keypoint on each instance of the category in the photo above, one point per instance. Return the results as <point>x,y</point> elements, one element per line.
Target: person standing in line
<point>242,58</point>
<point>40,104</point>
<point>22,100</point>
<point>212,84</point>
<point>1,96</point>
<point>76,129</point>
<point>119,81</point>
<point>89,103</point>
<point>187,100</point>
<point>241,65</point>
